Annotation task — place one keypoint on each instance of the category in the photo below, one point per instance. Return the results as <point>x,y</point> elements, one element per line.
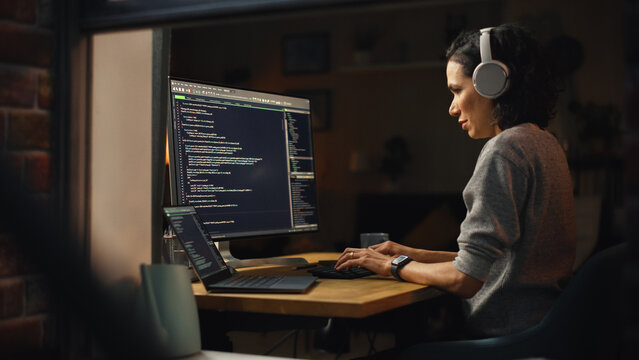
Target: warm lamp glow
<point>167,149</point>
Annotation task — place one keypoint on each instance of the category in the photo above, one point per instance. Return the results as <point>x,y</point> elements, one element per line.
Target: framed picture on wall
<point>320,106</point>
<point>306,53</point>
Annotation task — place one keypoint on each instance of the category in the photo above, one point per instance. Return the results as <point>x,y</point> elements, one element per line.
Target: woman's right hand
<point>392,248</point>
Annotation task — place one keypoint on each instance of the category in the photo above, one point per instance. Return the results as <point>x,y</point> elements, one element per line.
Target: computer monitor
<point>244,160</point>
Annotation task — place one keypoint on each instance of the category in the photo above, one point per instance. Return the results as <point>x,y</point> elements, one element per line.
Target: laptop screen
<point>189,228</point>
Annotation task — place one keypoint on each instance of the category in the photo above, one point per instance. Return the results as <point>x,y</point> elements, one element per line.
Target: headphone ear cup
<point>490,79</point>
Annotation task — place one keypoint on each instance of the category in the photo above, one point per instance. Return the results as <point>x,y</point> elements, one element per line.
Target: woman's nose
<point>453,110</point>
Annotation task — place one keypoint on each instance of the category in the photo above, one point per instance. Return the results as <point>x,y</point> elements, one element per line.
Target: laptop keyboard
<point>251,281</point>
<point>330,272</point>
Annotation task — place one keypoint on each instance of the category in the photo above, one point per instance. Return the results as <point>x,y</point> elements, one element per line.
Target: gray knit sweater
<point>519,232</point>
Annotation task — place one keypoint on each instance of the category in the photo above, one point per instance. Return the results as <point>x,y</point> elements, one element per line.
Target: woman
<point>517,242</point>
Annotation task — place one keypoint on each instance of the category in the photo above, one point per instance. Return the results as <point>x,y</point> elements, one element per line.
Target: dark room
<point>437,179</point>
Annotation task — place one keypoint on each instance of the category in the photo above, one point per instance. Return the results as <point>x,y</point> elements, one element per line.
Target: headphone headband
<point>484,45</point>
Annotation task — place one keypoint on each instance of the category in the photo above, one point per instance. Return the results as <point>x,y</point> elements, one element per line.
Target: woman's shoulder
<point>526,135</point>
<point>522,143</point>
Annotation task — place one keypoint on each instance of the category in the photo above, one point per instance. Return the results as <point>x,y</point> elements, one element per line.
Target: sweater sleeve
<point>494,198</point>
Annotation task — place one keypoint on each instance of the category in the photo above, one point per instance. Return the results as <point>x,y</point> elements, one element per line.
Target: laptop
<point>211,268</point>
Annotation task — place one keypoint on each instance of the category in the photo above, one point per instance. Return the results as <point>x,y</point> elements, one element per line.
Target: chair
<point>584,323</point>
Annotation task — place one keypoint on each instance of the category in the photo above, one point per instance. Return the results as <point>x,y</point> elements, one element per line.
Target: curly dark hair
<point>532,94</point>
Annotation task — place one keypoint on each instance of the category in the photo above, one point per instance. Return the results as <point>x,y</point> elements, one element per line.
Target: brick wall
<point>26,52</point>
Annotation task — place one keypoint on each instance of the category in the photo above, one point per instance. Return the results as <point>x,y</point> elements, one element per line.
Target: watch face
<point>398,260</point>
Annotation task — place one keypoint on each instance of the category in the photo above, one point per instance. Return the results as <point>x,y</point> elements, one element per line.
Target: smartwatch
<point>397,264</point>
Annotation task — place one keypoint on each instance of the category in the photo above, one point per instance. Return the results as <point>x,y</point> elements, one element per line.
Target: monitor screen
<point>243,159</point>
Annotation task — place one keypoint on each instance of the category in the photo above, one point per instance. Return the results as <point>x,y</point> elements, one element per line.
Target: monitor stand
<point>225,249</point>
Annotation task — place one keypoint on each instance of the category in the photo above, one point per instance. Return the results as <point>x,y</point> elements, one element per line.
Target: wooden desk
<point>356,298</point>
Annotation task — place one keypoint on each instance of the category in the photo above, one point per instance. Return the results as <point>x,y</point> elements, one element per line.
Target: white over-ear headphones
<point>491,77</point>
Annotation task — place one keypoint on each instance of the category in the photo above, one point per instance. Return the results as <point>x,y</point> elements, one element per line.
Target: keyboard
<point>329,272</point>
<point>251,281</point>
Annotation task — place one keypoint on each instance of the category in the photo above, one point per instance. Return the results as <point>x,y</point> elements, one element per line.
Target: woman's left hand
<point>366,258</point>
